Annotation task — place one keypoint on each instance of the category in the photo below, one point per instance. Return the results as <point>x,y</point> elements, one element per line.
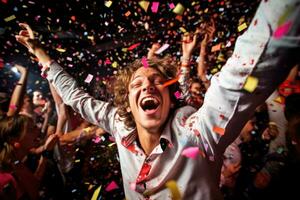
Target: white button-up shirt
<point>227,107</point>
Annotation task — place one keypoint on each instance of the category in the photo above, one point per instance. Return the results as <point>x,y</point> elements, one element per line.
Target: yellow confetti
<point>91,37</point>
<point>285,15</point>
<point>179,9</point>
<point>124,49</point>
<point>114,64</point>
<point>251,84</point>
<point>242,27</point>
<point>12,17</point>
<point>144,5</point>
<point>77,161</point>
<point>214,70</point>
<point>279,100</point>
<point>182,29</point>
<point>60,50</point>
<point>96,193</point>
<point>110,145</point>
<point>174,190</point>
<point>108,3</point>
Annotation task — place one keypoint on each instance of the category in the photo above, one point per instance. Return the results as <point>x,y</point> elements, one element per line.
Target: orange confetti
<point>170,82</point>
<point>219,130</point>
<point>216,47</point>
<point>127,13</point>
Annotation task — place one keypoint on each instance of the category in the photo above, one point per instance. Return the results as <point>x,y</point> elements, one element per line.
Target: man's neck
<point>148,140</point>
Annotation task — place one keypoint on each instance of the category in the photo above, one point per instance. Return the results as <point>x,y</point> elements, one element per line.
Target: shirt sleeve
<point>94,111</point>
<point>259,54</point>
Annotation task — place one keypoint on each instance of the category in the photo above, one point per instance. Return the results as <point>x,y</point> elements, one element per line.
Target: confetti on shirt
<point>162,48</point>
<point>144,5</point>
<point>172,186</point>
<point>154,7</point>
<point>12,106</point>
<point>96,193</point>
<point>179,9</point>
<point>111,186</point>
<point>145,62</point>
<point>250,84</point>
<point>89,78</point>
<point>10,18</point>
<point>219,130</point>
<point>242,27</point>
<point>191,152</point>
<point>282,30</point>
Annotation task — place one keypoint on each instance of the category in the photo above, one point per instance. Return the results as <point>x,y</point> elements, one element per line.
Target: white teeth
<point>149,99</point>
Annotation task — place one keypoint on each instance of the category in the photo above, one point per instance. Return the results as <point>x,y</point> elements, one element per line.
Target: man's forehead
<point>145,72</point>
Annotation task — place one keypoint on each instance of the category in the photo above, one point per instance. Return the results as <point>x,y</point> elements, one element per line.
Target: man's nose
<point>148,86</point>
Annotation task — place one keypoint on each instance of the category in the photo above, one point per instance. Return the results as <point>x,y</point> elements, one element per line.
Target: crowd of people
<point>164,129</point>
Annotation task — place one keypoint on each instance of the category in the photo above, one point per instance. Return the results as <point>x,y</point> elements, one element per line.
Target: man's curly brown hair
<point>166,66</point>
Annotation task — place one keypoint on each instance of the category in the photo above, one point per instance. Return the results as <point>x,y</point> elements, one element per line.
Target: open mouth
<point>149,104</point>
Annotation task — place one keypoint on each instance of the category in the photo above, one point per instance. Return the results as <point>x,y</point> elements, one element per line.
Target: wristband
<point>184,59</point>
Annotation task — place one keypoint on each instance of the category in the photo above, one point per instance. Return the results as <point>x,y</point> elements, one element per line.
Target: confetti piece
<point>285,15</point>
<point>177,94</point>
<point>154,7</point>
<point>77,161</point>
<point>111,186</point>
<point>114,64</point>
<point>216,48</point>
<point>144,5</point>
<point>282,30</point>
<point>10,18</point>
<point>190,152</point>
<point>183,30</point>
<point>111,144</point>
<point>12,106</point>
<point>89,78</point>
<point>279,100</point>
<point>179,9</point>
<point>96,140</point>
<point>170,82</point>
<point>127,13</point>
<point>172,186</point>
<point>108,3</point>
<point>133,46</point>
<point>162,48</point>
<point>250,84</point>
<point>96,193</point>
<point>171,5</point>
<point>242,27</point>
<point>73,18</point>
<point>133,186</point>
<point>61,50</point>
<point>219,130</point>
<point>145,62</point>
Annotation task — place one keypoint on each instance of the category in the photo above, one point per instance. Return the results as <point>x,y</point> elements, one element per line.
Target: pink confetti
<point>190,152</point>
<point>133,46</point>
<point>282,30</point>
<point>177,94</point>
<point>96,140</point>
<point>89,78</point>
<point>171,5</point>
<point>162,48</point>
<point>145,62</point>
<point>154,7</point>
<point>107,62</point>
<point>111,186</point>
<point>133,186</point>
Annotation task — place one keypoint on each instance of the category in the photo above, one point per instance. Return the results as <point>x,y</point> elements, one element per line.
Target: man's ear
<point>128,109</point>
